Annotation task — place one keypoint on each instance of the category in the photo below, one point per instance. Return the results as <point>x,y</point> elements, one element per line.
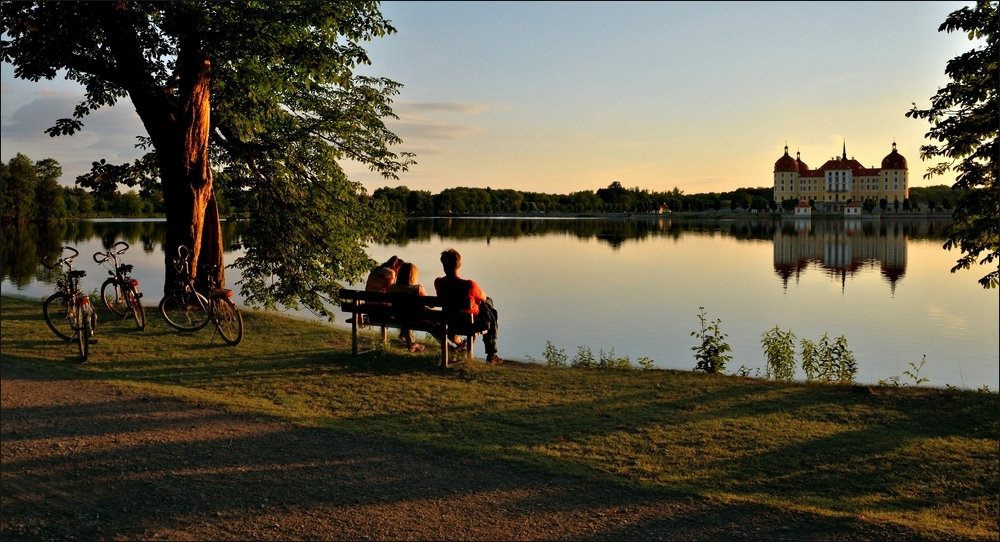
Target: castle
<point>841,180</point>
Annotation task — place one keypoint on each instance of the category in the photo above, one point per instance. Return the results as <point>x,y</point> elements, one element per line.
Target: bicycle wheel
<point>114,298</point>
<point>57,315</point>
<point>228,321</point>
<point>138,311</point>
<point>185,310</point>
<point>83,331</point>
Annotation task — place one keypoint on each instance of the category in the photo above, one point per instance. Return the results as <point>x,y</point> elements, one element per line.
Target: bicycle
<point>186,309</point>
<point>120,292</point>
<point>68,312</point>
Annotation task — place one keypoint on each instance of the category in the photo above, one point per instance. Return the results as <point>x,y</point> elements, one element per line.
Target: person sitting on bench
<point>383,276</point>
<point>406,283</point>
<point>451,286</point>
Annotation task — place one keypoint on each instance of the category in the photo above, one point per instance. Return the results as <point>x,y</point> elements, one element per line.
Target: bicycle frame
<point>120,292</point>
<point>79,315</point>
<point>186,309</point>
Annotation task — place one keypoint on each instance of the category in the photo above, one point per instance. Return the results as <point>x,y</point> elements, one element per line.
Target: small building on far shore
<point>852,209</point>
<point>803,209</point>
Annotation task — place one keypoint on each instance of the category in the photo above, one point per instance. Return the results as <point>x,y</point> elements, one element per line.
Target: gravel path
<point>85,460</point>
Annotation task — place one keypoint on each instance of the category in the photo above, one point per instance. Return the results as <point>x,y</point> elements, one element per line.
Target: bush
<point>828,361</point>
<point>779,354</point>
<point>554,357</point>
<point>584,358</point>
<point>609,361</point>
<point>711,354</point>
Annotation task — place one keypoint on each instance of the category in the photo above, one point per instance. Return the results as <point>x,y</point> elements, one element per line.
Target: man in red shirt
<point>451,286</point>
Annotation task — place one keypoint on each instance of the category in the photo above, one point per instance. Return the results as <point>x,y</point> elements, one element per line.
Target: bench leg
<point>472,345</point>
<point>444,348</point>
<point>354,334</point>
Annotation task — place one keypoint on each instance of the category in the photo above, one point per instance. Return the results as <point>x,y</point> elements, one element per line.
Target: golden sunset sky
<point>560,97</point>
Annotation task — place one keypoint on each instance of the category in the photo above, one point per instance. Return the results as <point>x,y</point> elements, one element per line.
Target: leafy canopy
<point>965,117</point>
<point>286,109</point>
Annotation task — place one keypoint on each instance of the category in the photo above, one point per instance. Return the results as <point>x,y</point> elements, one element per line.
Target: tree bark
<point>186,174</point>
<point>178,125</point>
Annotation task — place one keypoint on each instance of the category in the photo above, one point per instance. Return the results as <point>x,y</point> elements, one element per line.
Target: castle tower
<point>786,176</point>
<point>893,181</point>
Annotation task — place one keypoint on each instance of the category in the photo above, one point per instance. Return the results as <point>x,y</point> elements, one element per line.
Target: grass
<point>923,459</point>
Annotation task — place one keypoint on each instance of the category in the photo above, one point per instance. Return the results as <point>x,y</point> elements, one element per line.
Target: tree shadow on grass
<point>138,467</point>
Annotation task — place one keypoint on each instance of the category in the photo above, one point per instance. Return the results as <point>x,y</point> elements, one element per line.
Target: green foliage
<point>286,109</point>
<point>554,357</point>
<point>584,358</point>
<point>828,361</point>
<point>607,360</point>
<point>613,199</point>
<point>17,189</point>
<point>779,354</point>
<point>710,354</point>
<point>810,359</point>
<point>915,374</point>
<point>49,202</point>
<point>965,117</point>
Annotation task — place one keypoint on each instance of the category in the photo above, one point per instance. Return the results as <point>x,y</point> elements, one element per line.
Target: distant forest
<point>31,191</point>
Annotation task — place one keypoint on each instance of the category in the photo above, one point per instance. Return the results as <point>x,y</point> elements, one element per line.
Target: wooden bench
<point>440,317</point>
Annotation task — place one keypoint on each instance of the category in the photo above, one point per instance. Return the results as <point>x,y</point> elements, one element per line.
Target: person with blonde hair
<point>406,283</point>
<point>383,276</point>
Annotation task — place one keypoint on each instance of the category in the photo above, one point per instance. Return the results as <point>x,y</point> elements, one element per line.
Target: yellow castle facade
<point>841,180</point>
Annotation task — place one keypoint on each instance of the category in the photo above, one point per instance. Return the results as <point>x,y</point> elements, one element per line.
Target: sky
<point>562,97</point>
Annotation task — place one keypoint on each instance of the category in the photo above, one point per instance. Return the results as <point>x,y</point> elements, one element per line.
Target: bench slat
<point>433,314</point>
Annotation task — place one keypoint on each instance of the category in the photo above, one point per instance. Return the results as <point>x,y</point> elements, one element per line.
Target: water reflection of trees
<point>614,231</point>
<point>24,245</point>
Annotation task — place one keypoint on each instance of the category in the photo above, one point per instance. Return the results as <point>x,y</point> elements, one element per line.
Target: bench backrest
<point>426,307</point>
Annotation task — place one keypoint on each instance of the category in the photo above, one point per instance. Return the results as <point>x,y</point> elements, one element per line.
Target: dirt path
<point>85,460</point>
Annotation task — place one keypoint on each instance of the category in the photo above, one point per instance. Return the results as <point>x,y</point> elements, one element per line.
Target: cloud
<point>424,132</point>
<point>402,108</point>
<point>838,79</point>
<point>431,129</point>
<point>107,133</point>
<point>30,121</point>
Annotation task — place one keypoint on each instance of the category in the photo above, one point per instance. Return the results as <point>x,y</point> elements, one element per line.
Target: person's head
<point>392,263</point>
<point>451,260</point>
<point>397,264</point>
<point>408,274</point>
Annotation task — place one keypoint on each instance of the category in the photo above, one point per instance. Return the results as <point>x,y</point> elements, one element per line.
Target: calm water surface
<point>636,285</point>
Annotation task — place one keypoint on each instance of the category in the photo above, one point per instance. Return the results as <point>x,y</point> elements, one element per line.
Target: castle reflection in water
<point>840,248</point>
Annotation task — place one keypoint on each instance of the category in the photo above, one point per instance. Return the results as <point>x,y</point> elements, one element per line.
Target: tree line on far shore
<point>31,191</point>
<point>617,199</point>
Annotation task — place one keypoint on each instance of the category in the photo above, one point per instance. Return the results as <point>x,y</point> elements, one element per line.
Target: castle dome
<point>802,165</point>
<point>894,160</point>
<point>786,163</point>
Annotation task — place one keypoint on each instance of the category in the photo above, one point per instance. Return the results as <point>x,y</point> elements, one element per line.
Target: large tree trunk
<point>189,197</point>
<point>179,124</point>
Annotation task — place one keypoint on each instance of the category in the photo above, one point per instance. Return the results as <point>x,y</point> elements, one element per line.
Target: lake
<point>635,285</point>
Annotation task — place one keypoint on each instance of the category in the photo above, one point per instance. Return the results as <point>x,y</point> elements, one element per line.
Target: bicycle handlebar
<point>183,261</point>
<point>111,252</point>
<point>67,260</point>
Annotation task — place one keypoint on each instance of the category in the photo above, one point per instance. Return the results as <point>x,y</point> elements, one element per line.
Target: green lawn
<point>924,459</point>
